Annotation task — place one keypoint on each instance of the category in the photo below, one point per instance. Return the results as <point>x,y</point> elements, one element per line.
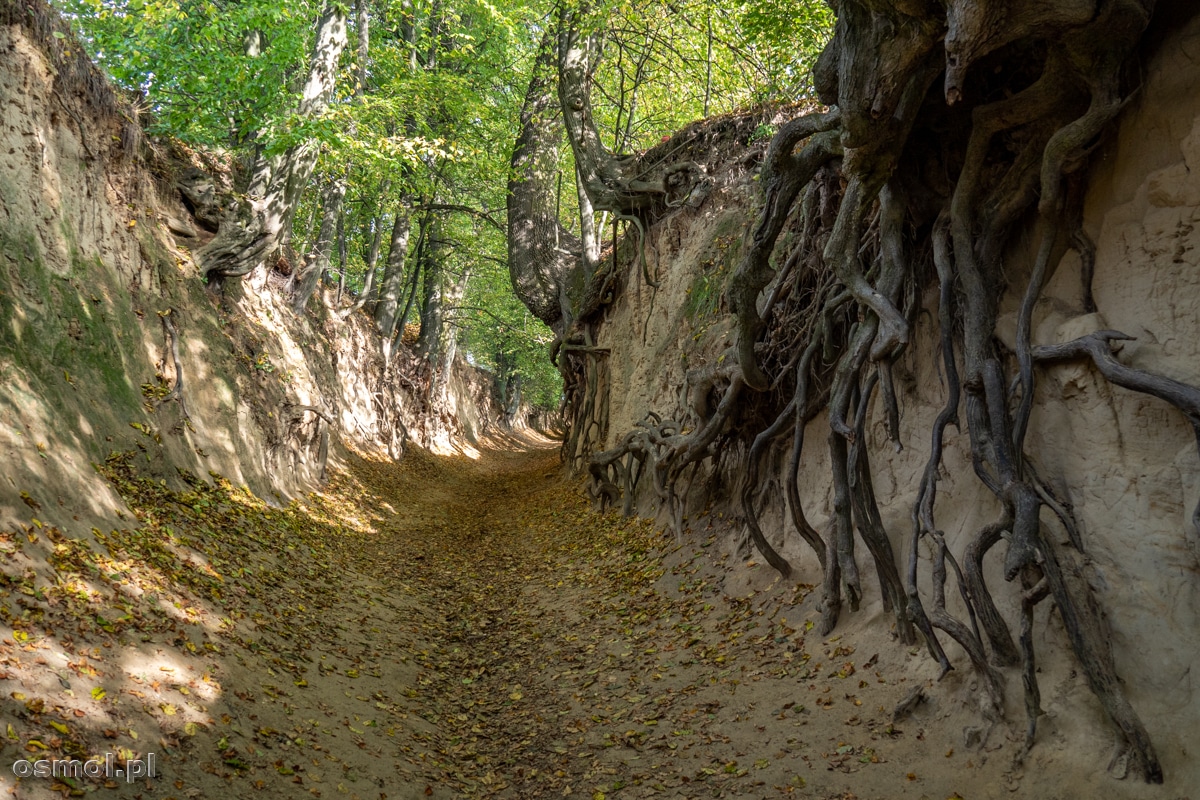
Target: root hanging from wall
<point>950,135</point>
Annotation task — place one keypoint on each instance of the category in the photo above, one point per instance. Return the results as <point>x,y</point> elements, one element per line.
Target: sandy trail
<point>560,653</point>
<point>458,627</point>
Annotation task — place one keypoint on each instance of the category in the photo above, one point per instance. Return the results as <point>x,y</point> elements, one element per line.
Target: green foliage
<point>763,131</point>
<point>787,37</point>
<point>190,60</point>
<point>666,63</point>
<point>704,295</point>
<point>431,117</point>
<point>501,334</point>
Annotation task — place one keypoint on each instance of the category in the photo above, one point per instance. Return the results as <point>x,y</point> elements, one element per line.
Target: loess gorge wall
<point>1126,462</point>
<point>95,248</point>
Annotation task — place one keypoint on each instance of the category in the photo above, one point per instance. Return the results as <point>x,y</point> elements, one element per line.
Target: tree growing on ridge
<point>257,225</point>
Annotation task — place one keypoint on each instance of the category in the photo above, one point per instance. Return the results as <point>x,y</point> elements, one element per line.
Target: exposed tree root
<point>908,183</point>
<point>172,337</point>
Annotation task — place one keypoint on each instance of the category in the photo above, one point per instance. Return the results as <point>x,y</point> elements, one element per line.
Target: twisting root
<point>784,175</point>
<point>801,404</point>
<point>1032,594</point>
<point>890,182</point>
<point>870,525</point>
<point>750,483</point>
<point>172,336</point>
<point>1004,652</point>
<point>641,229</point>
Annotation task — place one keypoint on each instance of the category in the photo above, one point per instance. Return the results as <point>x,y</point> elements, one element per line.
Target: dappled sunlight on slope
<point>129,642</point>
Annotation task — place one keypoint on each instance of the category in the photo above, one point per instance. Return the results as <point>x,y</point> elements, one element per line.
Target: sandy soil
<point>467,627</point>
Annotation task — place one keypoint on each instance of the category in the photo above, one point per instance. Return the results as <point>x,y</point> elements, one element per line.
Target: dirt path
<point>560,653</point>
<point>450,627</point>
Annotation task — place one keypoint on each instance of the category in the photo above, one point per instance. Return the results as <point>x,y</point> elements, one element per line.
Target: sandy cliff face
<point>99,295</point>
<point>1126,462</point>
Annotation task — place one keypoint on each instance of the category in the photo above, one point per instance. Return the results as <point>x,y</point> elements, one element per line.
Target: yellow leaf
<point>191,729</point>
<point>18,696</point>
<point>58,726</point>
<point>12,733</point>
<point>33,745</point>
<point>98,694</point>
<point>167,709</point>
<point>20,636</point>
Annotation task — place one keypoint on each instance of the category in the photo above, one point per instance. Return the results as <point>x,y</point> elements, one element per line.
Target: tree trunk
<point>443,359</point>
<point>253,230</point>
<point>334,201</point>
<point>321,257</point>
<point>362,23</point>
<point>588,230</point>
<point>367,294</point>
<point>392,285</point>
<point>598,170</point>
<point>541,252</point>
<point>414,283</point>
<point>614,183</point>
<point>433,309</point>
<point>341,246</point>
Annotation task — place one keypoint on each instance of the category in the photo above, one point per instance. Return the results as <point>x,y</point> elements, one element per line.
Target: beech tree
<point>259,223</point>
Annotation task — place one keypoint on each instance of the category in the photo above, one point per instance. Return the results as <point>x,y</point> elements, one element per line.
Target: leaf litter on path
<point>441,627</point>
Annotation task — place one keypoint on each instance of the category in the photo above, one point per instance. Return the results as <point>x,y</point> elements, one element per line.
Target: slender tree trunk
<point>258,225</point>
<point>433,318</point>
<point>408,32</point>
<point>413,283</point>
<point>303,253</point>
<point>334,201</point>
<point>587,229</point>
<point>393,276</point>
<point>362,23</point>
<point>708,61</point>
<point>322,254</point>
<point>444,360</point>
<point>341,245</point>
<point>639,75</point>
<point>435,35</point>
<point>367,294</point>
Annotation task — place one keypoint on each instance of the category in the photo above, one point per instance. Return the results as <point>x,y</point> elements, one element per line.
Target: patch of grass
<point>704,295</point>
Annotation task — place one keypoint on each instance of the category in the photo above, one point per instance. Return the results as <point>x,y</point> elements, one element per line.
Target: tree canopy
<point>420,124</point>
